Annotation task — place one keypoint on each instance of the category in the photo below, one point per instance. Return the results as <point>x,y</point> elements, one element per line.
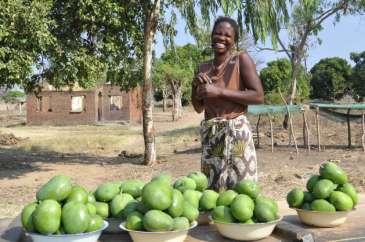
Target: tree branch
<point>328,13</point>
<point>270,49</point>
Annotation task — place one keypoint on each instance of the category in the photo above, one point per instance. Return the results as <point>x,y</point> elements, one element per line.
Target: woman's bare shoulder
<point>245,58</point>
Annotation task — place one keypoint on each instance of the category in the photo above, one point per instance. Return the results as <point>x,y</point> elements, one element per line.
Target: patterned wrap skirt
<point>228,152</point>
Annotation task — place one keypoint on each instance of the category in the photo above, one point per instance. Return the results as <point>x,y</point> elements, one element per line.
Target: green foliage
<point>277,75</point>
<point>358,74</point>
<point>68,42</point>
<point>13,96</point>
<point>97,41</point>
<point>330,78</point>
<point>178,65</point>
<point>24,38</point>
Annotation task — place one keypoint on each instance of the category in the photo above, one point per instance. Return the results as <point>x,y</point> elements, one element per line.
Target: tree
<point>24,38</point>
<point>277,75</point>
<point>330,78</point>
<point>358,74</point>
<point>305,22</point>
<point>175,69</point>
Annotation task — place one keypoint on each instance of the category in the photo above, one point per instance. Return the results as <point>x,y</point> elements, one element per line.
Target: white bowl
<point>322,219</point>
<point>166,236</point>
<point>83,237</point>
<point>246,232</point>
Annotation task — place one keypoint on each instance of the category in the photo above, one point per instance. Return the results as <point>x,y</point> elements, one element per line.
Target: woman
<point>222,89</point>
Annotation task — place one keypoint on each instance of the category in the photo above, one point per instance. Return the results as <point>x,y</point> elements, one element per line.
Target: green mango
<point>192,197</point>
<point>322,206</point>
<point>222,214</point>
<point>341,201</point>
<point>269,202</point>
<point>177,205</point>
<point>184,183</point>
<point>248,187</point>
<point>264,213</point>
<point>58,188</point>
<point>311,182</point>
<point>208,200</point>
<point>132,187</point>
<point>78,194</point>
<point>295,198</point>
<point>26,216</point>
<point>331,171</point>
<point>155,221</point>
<point>200,179</point>
<point>242,207</point>
<point>157,195</point>
<point>118,204</point>
<point>96,223</point>
<point>102,209</point>
<point>107,191</point>
<point>75,217</point>
<point>91,208</point>
<point>180,223</point>
<point>47,217</point>
<point>190,212</point>
<point>323,188</point>
<point>135,221</point>
<point>226,198</point>
<point>350,190</point>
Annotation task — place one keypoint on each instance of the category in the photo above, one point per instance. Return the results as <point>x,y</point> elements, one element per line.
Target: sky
<point>338,40</point>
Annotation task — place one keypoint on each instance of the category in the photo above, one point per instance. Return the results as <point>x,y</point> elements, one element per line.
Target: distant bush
<point>277,75</point>
<point>330,79</point>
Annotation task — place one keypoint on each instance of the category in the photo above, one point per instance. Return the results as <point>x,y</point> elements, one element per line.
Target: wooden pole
<point>363,132</point>
<point>305,132</point>
<point>348,129</point>
<point>271,133</point>
<point>257,131</point>
<point>318,133</point>
<point>291,129</point>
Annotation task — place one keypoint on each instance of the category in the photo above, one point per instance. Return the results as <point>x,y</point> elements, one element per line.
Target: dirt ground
<point>93,154</point>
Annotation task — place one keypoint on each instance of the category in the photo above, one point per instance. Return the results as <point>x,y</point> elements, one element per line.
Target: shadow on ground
<point>15,162</point>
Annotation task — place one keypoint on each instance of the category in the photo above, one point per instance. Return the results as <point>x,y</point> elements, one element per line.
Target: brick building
<point>105,103</point>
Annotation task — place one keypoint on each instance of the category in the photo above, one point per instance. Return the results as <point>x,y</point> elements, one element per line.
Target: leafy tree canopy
<point>277,75</point>
<point>330,78</point>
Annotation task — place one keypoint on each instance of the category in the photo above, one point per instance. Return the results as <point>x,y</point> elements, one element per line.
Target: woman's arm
<point>253,94</point>
<point>196,99</point>
<point>198,103</point>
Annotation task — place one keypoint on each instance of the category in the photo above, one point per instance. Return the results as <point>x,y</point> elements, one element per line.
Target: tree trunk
<point>295,64</point>
<point>176,100</point>
<point>150,28</point>
<point>293,81</point>
<point>164,99</point>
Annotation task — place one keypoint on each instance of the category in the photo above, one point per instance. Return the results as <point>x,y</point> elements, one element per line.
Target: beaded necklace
<point>220,70</point>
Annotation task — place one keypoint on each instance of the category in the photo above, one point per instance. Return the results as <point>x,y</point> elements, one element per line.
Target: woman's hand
<point>200,79</point>
<point>209,91</point>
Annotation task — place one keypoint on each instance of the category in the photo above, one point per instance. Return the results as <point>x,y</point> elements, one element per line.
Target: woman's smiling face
<point>223,36</point>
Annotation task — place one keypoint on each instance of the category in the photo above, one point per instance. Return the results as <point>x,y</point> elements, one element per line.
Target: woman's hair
<point>231,21</point>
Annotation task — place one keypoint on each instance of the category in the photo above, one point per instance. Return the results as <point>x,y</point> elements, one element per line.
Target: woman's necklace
<point>220,70</point>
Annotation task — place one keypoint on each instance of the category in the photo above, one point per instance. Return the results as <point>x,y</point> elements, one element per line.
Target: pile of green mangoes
<point>329,191</point>
<point>245,204</point>
<point>61,208</point>
<point>167,206</point>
